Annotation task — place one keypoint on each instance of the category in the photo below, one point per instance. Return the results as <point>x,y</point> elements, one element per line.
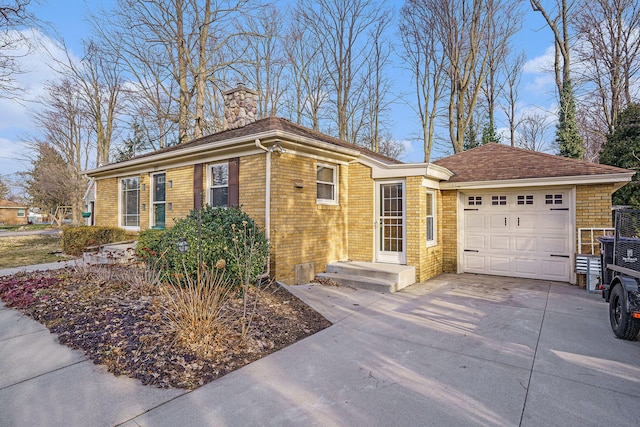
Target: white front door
<point>390,222</point>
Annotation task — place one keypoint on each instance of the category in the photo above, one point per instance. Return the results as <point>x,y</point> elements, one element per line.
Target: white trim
<point>434,216</point>
<point>539,182</point>
<point>380,256</point>
<point>336,180</point>
<point>381,170</point>
<point>152,222</point>
<point>210,181</point>
<point>120,211</point>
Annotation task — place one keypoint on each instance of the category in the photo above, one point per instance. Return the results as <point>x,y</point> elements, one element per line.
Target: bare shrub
<point>195,309</point>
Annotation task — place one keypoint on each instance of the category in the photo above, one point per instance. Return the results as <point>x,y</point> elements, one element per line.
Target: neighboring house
<point>12,213</point>
<point>494,209</point>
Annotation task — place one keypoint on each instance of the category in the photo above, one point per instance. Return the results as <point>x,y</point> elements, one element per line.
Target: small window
<point>553,199</point>
<point>431,218</point>
<point>525,200</point>
<point>474,200</point>
<point>21,212</point>
<point>498,200</point>
<point>219,191</point>
<point>326,184</point>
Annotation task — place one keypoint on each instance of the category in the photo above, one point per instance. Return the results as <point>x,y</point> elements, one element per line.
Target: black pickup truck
<point>620,263</point>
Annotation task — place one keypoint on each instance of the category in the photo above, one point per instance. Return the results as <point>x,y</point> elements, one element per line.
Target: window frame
<point>211,185</point>
<point>334,183</point>
<point>434,233</point>
<point>153,202</point>
<point>21,212</point>
<point>122,206</point>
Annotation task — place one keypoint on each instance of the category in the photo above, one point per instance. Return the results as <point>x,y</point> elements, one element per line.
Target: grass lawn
<point>27,250</point>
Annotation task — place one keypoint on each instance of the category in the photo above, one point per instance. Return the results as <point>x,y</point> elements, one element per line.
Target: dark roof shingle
<point>265,125</point>
<point>497,162</point>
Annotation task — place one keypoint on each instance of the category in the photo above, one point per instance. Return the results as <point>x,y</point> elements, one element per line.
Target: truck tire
<point>624,326</point>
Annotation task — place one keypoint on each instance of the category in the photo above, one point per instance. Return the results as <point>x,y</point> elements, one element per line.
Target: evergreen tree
<point>471,136</point>
<point>489,133</point>
<point>622,149</point>
<point>567,136</point>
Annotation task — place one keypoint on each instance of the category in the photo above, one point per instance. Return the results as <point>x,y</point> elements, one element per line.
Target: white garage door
<point>519,234</point>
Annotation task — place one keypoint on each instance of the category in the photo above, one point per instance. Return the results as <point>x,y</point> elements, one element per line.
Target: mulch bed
<point>121,326</point>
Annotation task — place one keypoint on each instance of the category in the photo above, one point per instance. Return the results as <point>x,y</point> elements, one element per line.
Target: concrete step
<point>401,275</point>
<point>361,282</point>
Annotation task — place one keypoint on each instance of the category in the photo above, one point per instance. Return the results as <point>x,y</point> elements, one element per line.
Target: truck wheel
<point>623,325</point>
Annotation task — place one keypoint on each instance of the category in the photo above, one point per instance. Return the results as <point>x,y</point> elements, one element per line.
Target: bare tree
<point>64,125</point>
<point>99,79</point>
<point>173,51</point>
<point>568,136</point>
<point>341,30</point>
<point>309,90</point>
<point>532,131</point>
<point>264,47</point>
<point>14,15</point>
<point>425,59</point>
<point>609,48</point>
<point>512,70</point>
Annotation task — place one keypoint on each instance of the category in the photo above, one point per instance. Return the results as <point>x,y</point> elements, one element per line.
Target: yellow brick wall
<point>301,230</point>
<point>449,231</point>
<point>361,200</point>
<point>253,171</point>
<point>107,201</point>
<point>9,216</point>
<point>180,195</point>
<point>593,210</point>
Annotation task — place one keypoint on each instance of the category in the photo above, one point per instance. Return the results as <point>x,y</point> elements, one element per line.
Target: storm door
<point>390,222</point>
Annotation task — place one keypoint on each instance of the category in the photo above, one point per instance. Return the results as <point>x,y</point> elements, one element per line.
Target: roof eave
<point>381,170</point>
<point>613,178</point>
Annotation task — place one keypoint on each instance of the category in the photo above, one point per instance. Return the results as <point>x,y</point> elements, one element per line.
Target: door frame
<point>390,257</point>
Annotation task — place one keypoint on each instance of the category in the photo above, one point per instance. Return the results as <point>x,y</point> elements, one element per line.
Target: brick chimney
<point>240,107</point>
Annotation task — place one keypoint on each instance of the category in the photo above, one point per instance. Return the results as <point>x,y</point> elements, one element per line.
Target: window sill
<point>328,207</point>
<point>431,244</point>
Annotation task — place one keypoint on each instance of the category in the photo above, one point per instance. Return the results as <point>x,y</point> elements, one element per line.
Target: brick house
<point>12,213</point>
<point>494,209</point>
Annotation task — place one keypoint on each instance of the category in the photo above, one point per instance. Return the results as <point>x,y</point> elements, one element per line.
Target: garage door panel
<point>499,243</point>
<point>558,269</point>
<point>474,221</point>
<point>474,262</point>
<point>498,221</point>
<point>475,242</point>
<point>527,222</point>
<point>555,245</point>
<point>527,267</point>
<point>499,265</point>
<point>526,244</point>
<point>517,237</point>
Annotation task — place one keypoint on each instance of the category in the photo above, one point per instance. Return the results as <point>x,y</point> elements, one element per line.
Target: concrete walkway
<point>456,350</point>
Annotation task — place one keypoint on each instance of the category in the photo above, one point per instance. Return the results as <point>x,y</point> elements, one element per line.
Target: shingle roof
<point>265,125</point>
<point>10,204</point>
<point>496,162</point>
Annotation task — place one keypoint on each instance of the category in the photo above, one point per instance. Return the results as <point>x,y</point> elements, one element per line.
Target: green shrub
<point>224,234</point>
<point>76,239</point>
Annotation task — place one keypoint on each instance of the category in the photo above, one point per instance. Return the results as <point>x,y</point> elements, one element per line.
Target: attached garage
<point>518,211</point>
<point>524,233</point>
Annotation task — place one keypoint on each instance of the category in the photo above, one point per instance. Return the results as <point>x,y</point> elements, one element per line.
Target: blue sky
<point>67,19</point>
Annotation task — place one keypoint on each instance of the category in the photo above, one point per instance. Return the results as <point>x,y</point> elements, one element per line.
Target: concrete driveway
<point>456,350</point>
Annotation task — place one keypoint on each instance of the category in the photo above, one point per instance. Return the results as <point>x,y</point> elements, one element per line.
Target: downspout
<point>267,202</point>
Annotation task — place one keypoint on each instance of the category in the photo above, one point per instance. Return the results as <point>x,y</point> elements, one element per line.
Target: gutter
<point>267,202</point>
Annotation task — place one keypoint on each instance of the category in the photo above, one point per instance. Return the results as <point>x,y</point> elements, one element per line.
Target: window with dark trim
<point>219,190</point>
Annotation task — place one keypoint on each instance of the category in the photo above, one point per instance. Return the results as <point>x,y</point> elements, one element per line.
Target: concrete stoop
<point>371,276</point>
<point>117,253</point>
